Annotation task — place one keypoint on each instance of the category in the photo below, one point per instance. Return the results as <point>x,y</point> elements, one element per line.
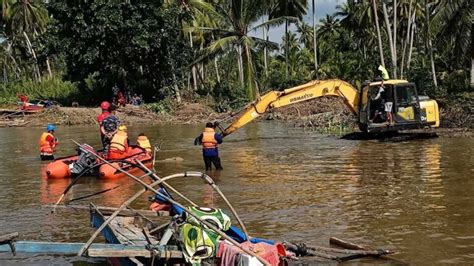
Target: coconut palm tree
<point>358,18</point>
<point>428,32</point>
<point>407,39</point>
<point>315,49</point>
<point>267,6</point>
<point>195,8</point>
<point>306,34</point>
<point>379,37</point>
<point>291,10</point>
<point>28,16</point>
<point>390,35</point>
<point>25,19</point>
<point>452,27</point>
<point>238,19</point>
<point>329,25</point>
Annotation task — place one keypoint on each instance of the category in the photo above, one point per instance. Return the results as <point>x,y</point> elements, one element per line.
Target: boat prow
<point>60,168</point>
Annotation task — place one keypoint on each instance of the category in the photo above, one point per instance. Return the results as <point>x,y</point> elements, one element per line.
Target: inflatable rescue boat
<point>72,166</point>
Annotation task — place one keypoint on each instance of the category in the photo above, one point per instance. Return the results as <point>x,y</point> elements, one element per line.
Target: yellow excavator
<point>409,110</point>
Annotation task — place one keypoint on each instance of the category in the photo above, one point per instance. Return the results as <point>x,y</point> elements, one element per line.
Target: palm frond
<point>275,22</point>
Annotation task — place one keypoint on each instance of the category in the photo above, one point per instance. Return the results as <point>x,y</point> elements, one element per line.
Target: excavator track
<point>393,136</point>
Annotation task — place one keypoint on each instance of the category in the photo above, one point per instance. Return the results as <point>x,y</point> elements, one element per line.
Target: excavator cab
<point>407,112</point>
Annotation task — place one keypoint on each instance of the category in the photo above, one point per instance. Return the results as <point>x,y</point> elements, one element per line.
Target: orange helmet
<point>105,105</point>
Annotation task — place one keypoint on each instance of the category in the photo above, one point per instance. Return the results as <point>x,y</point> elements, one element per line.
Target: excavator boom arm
<point>311,90</point>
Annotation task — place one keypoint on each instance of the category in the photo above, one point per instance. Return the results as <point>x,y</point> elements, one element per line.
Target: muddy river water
<point>286,183</point>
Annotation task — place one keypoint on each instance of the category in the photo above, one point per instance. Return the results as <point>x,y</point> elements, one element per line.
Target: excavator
<point>409,110</point>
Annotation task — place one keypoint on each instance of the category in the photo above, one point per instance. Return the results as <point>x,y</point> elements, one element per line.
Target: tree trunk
<point>433,69</point>
<point>49,68</point>
<point>472,72</point>
<point>406,41</point>
<point>202,69</point>
<point>240,65</point>
<point>193,69</point>
<point>430,46</point>
<point>15,67</point>
<point>286,48</point>
<point>315,46</point>
<point>252,86</point>
<point>390,39</point>
<point>215,64</point>
<point>413,27</point>
<point>32,51</point>
<point>265,37</point>
<point>379,37</point>
<point>5,74</point>
<point>472,55</point>
<point>176,89</point>
<point>217,70</point>
<point>395,54</point>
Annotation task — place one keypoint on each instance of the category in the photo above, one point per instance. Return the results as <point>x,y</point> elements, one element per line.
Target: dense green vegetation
<point>196,49</point>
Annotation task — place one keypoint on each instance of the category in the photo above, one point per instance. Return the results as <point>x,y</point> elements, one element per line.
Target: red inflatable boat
<point>66,167</point>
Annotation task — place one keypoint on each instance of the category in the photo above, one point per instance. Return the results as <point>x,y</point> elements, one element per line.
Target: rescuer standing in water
<point>209,140</point>
<point>48,143</point>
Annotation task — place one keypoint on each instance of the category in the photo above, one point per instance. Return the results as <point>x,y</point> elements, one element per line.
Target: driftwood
<point>13,123</point>
<point>349,245</point>
<point>8,237</point>
<point>332,253</point>
<point>10,240</point>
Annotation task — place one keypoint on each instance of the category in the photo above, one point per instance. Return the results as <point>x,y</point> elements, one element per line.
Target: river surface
<point>414,197</point>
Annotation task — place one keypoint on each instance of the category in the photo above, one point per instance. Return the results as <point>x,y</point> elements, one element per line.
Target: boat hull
<point>59,168</point>
<point>129,165</point>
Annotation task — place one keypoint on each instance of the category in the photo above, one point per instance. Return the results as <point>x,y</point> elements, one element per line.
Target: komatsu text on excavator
<point>409,110</point>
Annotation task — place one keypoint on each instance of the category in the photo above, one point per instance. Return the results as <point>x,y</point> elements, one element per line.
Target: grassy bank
<point>54,89</point>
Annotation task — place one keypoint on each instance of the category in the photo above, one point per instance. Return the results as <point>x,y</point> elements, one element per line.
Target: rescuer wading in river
<point>209,140</point>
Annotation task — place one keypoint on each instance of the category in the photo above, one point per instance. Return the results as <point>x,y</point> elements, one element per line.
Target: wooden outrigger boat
<point>138,230</point>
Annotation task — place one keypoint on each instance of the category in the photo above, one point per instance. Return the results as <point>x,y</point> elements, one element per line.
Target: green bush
<point>163,107</point>
<point>54,89</point>
<point>227,98</point>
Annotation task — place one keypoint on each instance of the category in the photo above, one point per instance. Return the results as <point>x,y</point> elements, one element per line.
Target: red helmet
<point>105,105</point>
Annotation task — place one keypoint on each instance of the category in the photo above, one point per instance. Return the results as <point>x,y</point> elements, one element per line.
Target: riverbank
<point>322,115</point>
<point>70,116</point>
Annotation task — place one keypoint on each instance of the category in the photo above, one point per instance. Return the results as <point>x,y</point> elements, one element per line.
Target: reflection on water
<point>285,183</point>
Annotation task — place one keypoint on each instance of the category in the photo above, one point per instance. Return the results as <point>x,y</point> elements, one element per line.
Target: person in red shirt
<point>24,101</point>
<point>48,143</point>
<point>105,106</point>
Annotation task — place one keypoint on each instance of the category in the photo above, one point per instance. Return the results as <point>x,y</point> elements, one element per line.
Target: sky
<point>323,7</point>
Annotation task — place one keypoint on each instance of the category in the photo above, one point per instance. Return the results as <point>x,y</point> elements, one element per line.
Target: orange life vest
<point>119,142</point>
<point>208,139</point>
<point>144,143</point>
<point>45,146</point>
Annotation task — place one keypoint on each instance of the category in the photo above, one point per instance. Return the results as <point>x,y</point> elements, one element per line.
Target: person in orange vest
<point>119,144</point>
<point>48,143</point>
<point>144,143</point>
<point>209,140</point>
